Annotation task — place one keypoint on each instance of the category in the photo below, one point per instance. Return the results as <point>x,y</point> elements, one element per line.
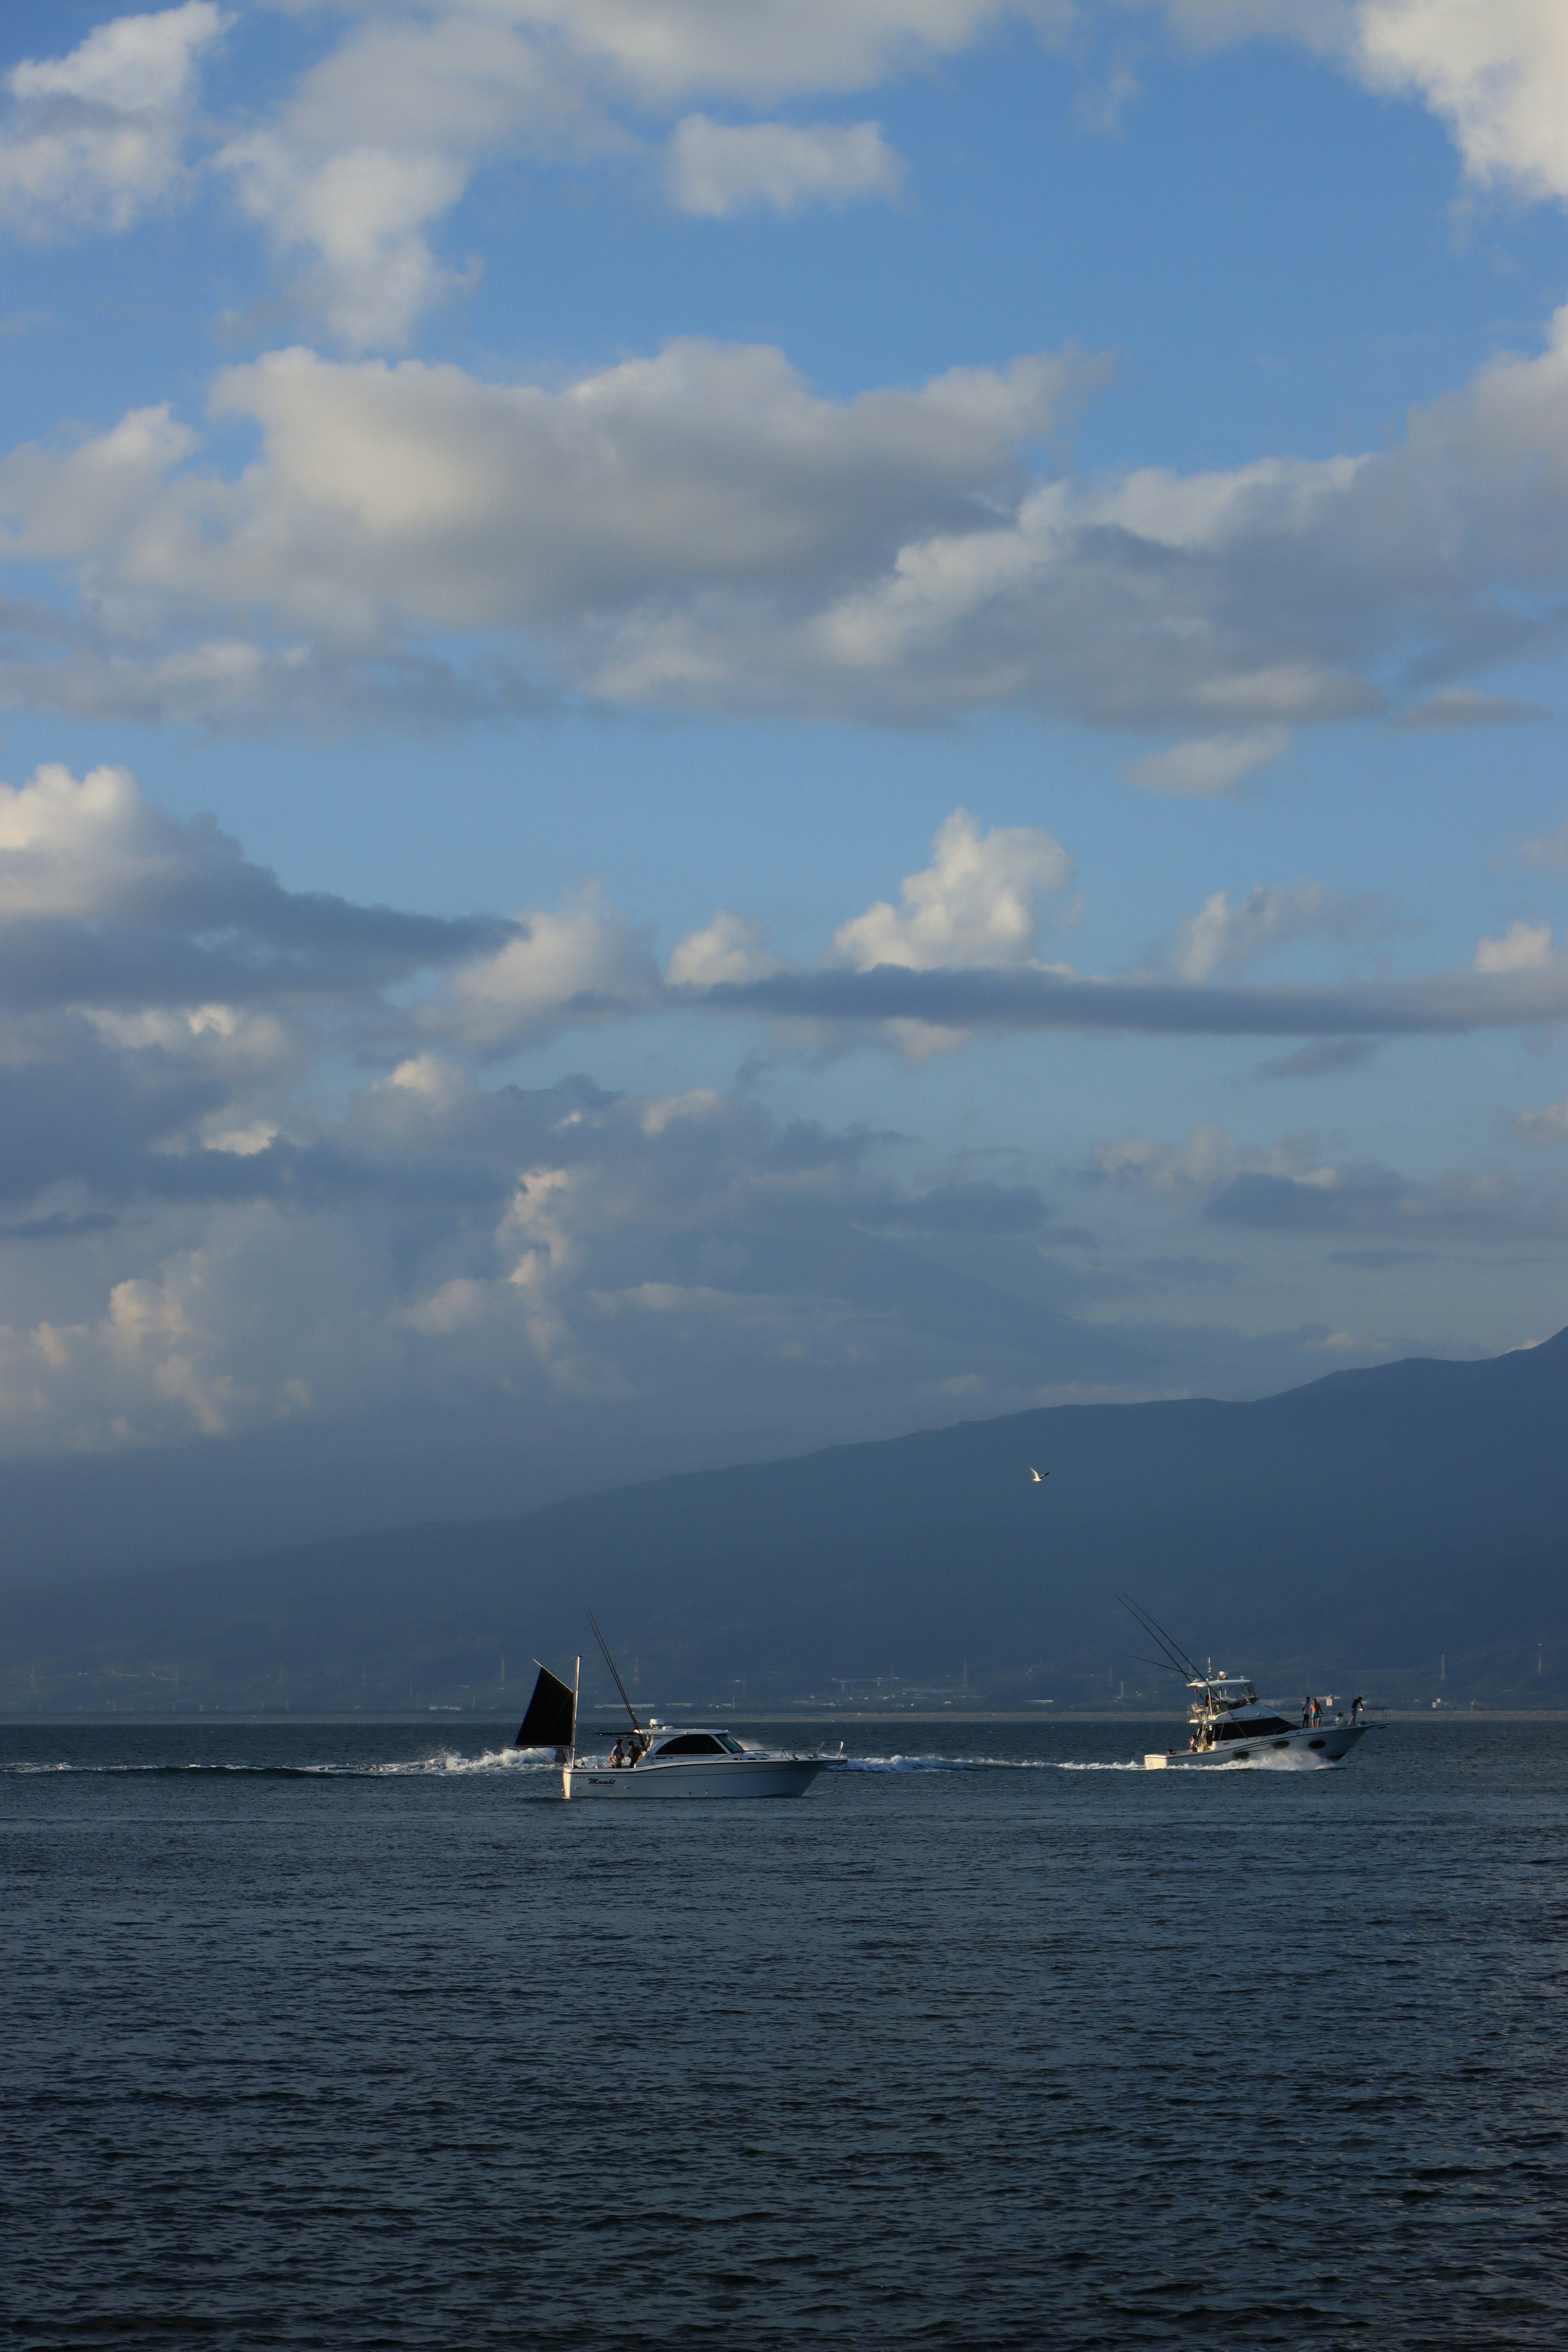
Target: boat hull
<point>1322,1744</point>
<point>729,1776</point>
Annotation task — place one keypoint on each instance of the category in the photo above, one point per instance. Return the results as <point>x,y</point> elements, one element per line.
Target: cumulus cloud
<point>96,138</point>
<point>391,495</point>
<point>978,902</point>
<point>1523,947</point>
<point>576,964</point>
<point>1225,936</point>
<point>252,1128</point>
<point>1495,71</point>
<point>718,168</point>
<point>350,177</point>
<point>727,949</point>
<point>515,1259</point>
<point>700,530</point>
<point>378,141</point>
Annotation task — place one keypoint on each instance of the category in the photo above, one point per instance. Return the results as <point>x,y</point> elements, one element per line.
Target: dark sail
<point>552,1718</point>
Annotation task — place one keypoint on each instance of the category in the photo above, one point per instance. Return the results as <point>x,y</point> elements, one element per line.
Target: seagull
<point>1035,1474</point>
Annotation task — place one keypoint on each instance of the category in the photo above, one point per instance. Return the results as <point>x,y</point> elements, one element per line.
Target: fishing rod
<point>1172,1649</point>
<point>611,1663</point>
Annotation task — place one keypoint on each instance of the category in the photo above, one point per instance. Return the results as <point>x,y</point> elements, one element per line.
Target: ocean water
<point>356,2036</point>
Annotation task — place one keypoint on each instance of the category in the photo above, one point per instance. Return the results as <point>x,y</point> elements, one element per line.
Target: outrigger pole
<point>1175,1654</point>
<point>611,1663</point>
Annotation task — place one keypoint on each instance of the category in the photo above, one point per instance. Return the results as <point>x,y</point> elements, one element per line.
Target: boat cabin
<point>1226,1707</point>
<point>660,1745</point>
<point>698,1743</point>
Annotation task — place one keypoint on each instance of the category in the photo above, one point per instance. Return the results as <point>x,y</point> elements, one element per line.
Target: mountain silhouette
<point>1405,1525</point>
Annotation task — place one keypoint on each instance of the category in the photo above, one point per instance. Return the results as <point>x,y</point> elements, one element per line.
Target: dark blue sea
<point>356,2036</point>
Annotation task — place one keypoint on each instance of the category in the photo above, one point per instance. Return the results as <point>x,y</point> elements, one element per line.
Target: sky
<point>732,727</point>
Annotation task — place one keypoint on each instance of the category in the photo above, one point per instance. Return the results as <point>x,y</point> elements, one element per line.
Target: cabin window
<point>730,1746</point>
<point>691,1743</point>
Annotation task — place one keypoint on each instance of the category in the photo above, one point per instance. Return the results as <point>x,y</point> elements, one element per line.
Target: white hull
<point>717,1775</point>
<point>1327,1743</point>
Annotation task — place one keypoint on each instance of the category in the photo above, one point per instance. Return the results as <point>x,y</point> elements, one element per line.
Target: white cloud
<point>699,530</point>
<point>386,498</point>
<point>97,137</point>
<point>378,140</point>
<point>1548,1125</point>
<point>773,49</point>
<point>1209,765</point>
<point>1495,71</point>
<point>726,950</point>
<point>1523,947</point>
<point>978,902</point>
<point>718,168</point>
<point>1225,936</point>
<point>581,961</point>
<point>76,848</point>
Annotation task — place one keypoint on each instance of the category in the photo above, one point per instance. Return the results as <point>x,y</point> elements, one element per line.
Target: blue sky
<point>936,627</point>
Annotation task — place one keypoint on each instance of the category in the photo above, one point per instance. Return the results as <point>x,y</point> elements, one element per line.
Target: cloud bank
<point>701,531</point>
<point>254,1175</point>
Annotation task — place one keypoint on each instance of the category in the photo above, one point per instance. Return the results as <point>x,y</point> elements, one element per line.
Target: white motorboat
<point>697,1760</point>
<point>1227,1723</point>
<point>656,1759</point>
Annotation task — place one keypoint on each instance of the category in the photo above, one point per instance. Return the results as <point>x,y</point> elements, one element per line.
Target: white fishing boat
<point>1227,1723</point>
<point>654,1759</point>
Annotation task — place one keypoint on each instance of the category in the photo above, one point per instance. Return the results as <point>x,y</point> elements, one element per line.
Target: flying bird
<point>1035,1474</point>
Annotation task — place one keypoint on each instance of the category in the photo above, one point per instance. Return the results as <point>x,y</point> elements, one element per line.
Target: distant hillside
<point>1365,1527</point>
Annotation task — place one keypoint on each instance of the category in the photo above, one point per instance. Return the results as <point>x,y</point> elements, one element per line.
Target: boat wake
<point>973,1764</point>
<point>443,1762</point>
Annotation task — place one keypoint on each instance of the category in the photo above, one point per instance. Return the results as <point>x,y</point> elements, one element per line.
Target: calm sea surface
<point>357,2036</point>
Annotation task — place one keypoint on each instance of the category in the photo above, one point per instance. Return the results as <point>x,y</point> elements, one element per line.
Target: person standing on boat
<point>1306,1710</point>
